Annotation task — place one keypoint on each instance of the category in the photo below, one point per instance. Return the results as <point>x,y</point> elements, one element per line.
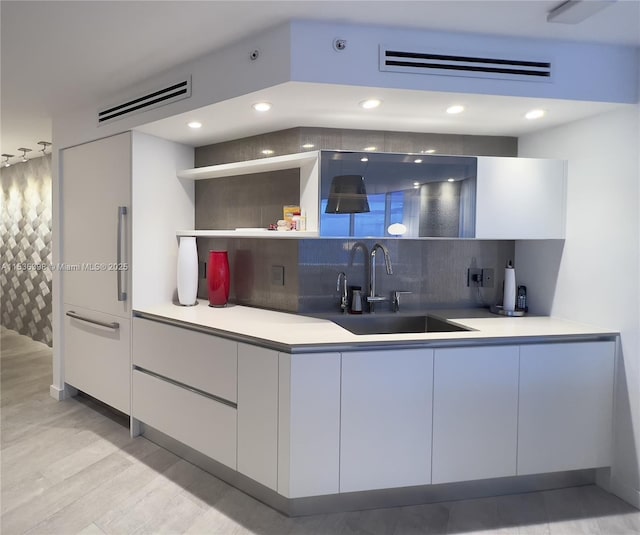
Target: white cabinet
<point>185,385</point>
<point>309,424</point>
<point>96,284</point>
<point>258,414</point>
<point>96,205</point>
<point>199,360</point>
<point>475,410</point>
<point>198,421</point>
<point>96,351</point>
<point>385,429</point>
<point>566,406</point>
<point>520,198</point>
<point>113,194</point>
<point>515,198</point>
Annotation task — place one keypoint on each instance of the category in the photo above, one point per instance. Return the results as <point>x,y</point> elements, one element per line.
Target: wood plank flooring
<point>70,467</point>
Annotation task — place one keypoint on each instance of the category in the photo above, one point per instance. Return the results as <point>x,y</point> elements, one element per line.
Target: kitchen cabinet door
<point>566,406</point>
<point>258,414</point>
<point>96,355</point>
<point>96,203</point>
<point>385,428</point>
<point>475,410</point>
<point>198,421</point>
<point>198,360</point>
<point>308,424</point>
<point>520,198</point>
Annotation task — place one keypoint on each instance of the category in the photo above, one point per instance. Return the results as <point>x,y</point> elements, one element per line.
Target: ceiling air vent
<point>167,94</point>
<point>443,64</point>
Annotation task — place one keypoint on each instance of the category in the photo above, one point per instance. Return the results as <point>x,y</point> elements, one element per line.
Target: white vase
<point>187,271</point>
<point>509,300</point>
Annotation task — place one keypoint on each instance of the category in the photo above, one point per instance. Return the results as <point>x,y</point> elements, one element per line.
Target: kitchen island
<point>308,416</point>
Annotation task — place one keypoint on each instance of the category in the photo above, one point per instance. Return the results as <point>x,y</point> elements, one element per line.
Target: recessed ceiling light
<point>452,110</point>
<point>417,160</point>
<point>416,183</point>
<point>262,106</point>
<point>194,124</point>
<point>370,149</point>
<point>416,187</point>
<point>364,159</point>
<point>451,179</point>
<point>370,103</point>
<point>535,114</point>
<point>308,146</point>
<point>428,151</point>
<point>267,152</point>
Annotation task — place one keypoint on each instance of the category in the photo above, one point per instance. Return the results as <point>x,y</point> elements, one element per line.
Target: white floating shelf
<point>261,165</point>
<point>295,235</point>
<point>307,162</point>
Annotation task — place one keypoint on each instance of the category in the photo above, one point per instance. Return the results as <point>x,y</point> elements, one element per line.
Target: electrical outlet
<point>277,275</point>
<point>488,277</point>
<point>474,277</point>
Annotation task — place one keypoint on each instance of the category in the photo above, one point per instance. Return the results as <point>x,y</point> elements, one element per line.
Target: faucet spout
<point>373,298</point>
<point>342,277</point>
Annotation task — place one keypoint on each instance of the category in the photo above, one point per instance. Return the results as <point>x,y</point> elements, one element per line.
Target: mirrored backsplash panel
<point>397,194</point>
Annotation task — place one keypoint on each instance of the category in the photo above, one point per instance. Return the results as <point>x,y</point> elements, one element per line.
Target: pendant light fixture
<point>347,195</point>
<point>6,162</point>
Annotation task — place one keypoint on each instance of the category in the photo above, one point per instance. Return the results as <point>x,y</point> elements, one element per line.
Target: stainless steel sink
<point>391,324</point>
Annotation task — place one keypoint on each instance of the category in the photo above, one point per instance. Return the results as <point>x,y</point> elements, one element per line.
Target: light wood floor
<point>70,467</point>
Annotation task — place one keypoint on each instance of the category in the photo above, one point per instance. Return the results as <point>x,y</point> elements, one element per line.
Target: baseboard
<point>60,394</point>
<point>625,492</point>
<point>356,501</point>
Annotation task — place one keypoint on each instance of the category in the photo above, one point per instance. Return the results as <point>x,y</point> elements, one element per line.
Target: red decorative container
<point>218,278</point>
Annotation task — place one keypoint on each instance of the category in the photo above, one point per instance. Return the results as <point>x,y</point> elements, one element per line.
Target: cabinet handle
<point>113,325</point>
<point>122,212</point>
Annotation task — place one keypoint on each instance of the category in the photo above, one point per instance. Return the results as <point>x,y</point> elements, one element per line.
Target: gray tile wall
<point>292,140</point>
<point>433,270</point>
<point>250,263</point>
<point>246,201</point>
<point>25,240</point>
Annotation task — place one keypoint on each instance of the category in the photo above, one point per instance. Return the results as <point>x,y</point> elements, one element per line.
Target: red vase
<point>218,278</point>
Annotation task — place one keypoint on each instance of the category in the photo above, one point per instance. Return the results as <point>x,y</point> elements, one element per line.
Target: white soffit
<point>333,106</point>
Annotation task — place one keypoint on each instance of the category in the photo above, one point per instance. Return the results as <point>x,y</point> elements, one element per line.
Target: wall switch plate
<point>488,277</point>
<point>474,277</point>
<point>277,275</point>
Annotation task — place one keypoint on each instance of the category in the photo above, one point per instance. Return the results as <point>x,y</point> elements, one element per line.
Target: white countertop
<point>293,332</point>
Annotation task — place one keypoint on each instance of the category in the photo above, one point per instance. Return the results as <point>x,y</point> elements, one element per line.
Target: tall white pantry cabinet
<point>120,205</point>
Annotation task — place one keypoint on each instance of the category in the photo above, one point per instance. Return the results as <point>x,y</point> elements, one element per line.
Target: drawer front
<point>193,419</point>
<point>97,357</point>
<point>199,360</point>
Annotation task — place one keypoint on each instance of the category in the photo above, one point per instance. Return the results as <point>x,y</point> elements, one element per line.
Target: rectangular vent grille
<point>396,60</point>
<point>170,93</point>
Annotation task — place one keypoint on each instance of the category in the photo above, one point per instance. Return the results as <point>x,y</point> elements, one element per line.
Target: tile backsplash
<point>250,264</point>
<point>247,201</point>
<point>434,271</point>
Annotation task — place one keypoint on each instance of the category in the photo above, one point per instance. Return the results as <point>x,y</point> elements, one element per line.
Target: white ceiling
<point>59,54</point>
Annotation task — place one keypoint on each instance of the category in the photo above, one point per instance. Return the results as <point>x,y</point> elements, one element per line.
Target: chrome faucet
<point>344,302</point>
<point>373,298</point>
<point>395,299</point>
